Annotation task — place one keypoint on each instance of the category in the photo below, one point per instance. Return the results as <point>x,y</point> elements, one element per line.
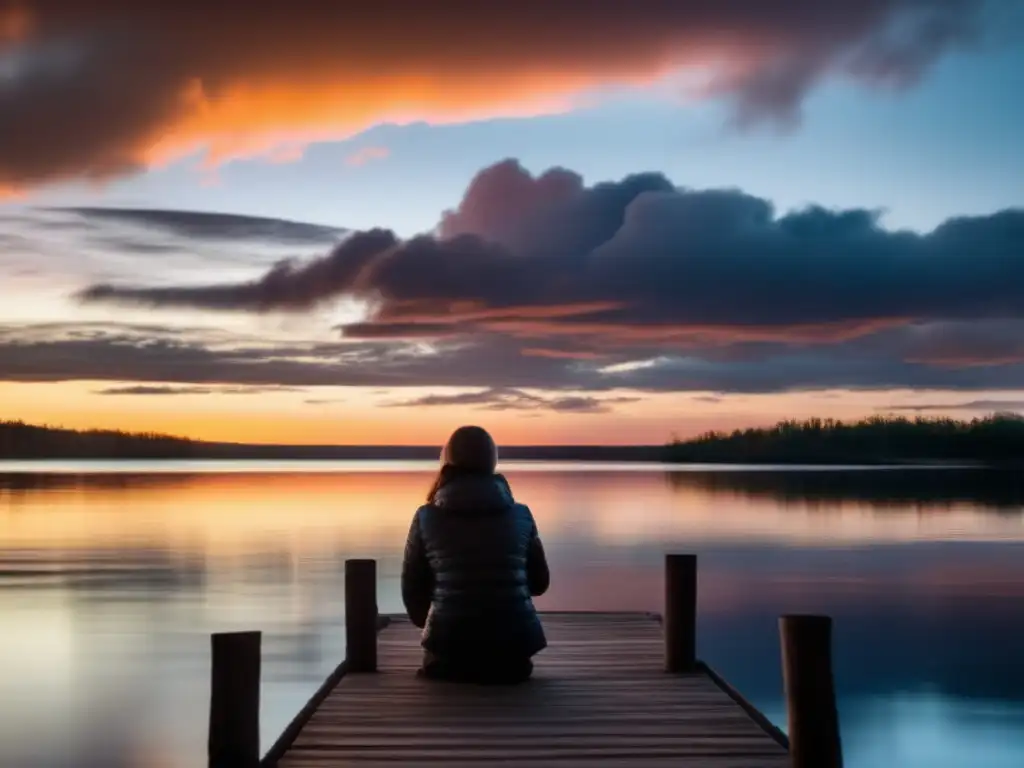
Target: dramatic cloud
<point>148,81</point>
<point>494,364</point>
<point>574,271</point>
<point>541,293</point>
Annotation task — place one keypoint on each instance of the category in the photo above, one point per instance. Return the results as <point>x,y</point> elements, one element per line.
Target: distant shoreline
<point>638,455</point>
<point>608,453</point>
<point>20,441</point>
<point>994,441</point>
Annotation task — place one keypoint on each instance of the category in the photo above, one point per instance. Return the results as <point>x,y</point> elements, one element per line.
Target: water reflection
<point>929,488</point>
<point>110,584</point>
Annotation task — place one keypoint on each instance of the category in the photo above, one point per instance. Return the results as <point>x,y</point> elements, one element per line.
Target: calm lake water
<point>112,576</point>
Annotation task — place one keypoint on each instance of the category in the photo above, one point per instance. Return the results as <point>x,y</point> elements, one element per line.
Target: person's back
<point>473,562</point>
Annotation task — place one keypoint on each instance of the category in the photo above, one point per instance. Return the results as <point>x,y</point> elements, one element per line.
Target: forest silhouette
<point>19,440</point>
<point>996,439</point>
<point>876,440</point>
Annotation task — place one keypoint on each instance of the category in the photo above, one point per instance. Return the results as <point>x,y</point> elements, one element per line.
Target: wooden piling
<point>810,691</point>
<point>234,735</point>
<point>361,615</point>
<point>680,613</point>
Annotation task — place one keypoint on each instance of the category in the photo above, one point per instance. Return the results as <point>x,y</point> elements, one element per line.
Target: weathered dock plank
<point>599,696</point>
<point>620,689</point>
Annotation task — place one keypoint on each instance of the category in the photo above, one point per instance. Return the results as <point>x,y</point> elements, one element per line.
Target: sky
<point>579,222</point>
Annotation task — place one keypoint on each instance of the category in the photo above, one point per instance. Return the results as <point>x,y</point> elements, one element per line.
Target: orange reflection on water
<point>310,513</point>
<point>217,514</point>
<point>110,583</point>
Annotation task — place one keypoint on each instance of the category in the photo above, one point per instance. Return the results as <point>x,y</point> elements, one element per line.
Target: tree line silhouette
<point>19,440</point>
<point>878,439</point>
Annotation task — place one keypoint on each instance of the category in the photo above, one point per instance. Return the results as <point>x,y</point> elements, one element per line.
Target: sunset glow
<point>733,280</point>
<point>222,515</point>
<point>592,227</point>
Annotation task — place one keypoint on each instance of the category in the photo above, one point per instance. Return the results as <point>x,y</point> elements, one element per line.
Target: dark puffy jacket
<point>473,562</point>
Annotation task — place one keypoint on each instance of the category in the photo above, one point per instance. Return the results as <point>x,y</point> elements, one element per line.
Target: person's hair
<point>469,451</point>
<point>443,476</point>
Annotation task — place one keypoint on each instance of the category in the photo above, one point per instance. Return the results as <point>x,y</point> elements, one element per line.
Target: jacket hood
<point>475,492</point>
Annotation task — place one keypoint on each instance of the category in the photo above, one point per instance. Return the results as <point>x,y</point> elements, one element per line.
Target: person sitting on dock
<point>473,563</point>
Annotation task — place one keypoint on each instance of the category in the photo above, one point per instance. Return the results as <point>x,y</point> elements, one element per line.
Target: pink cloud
<point>366,155</point>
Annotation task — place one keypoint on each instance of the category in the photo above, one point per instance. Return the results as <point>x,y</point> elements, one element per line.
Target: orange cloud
<point>15,23</point>
<point>286,153</point>
<point>153,81</point>
<point>571,321</point>
<point>367,155</point>
<point>250,118</point>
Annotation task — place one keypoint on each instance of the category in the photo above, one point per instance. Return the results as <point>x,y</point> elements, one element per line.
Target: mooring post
<point>361,615</point>
<point>234,735</point>
<point>680,613</point>
<point>810,691</point>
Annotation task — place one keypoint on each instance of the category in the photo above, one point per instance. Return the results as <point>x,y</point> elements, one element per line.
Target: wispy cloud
<point>987,406</point>
<point>504,399</point>
<point>160,390</point>
<point>186,357</point>
<point>206,225</point>
<point>48,253</point>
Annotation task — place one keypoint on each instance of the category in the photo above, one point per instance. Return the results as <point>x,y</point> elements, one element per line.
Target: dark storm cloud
<point>993,343</point>
<point>546,285</point>
<point>959,345</point>
<point>98,89</point>
<point>639,262</point>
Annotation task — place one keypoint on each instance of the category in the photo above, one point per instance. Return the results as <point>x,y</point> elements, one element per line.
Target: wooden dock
<point>611,689</point>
